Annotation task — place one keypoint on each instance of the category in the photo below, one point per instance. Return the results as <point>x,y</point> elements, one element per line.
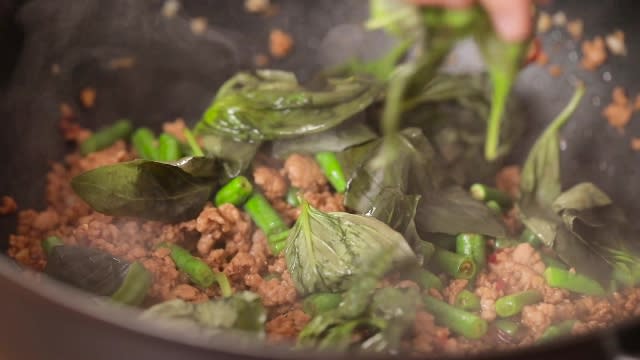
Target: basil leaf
<point>148,189</point>
<point>241,311</point>
<point>325,250</point>
<point>236,156</point>
<point>337,139</point>
<point>272,105</point>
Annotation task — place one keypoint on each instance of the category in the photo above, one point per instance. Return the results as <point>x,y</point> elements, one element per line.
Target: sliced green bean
<point>557,331</point>
<point>106,137</point>
<point>530,237</point>
<point>319,303</point>
<point>267,219</point>
<point>196,150</point>
<point>332,170</point>
<point>144,142</point>
<point>49,243</point>
<point>466,300</point>
<point>134,287</point>
<point>486,193</point>
<point>564,279</point>
<point>475,246</point>
<point>235,192</point>
<point>292,196</point>
<point>459,321</point>
<point>168,148</point>
<point>494,206</point>
<point>456,265</point>
<point>510,305</point>
<point>505,242</point>
<point>426,279</point>
<point>197,270</point>
<point>508,327</point>
<point>553,262</point>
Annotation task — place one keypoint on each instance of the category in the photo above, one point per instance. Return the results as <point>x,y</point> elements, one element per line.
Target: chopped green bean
<point>553,262</point>
<point>332,170</point>
<point>197,270</point>
<point>235,192</point>
<point>426,279</point>
<point>49,243</point>
<point>510,305</point>
<point>134,287</point>
<point>508,327</point>
<point>494,206</point>
<point>293,197</point>
<point>144,142</point>
<point>486,193</point>
<point>466,300</point>
<point>505,242</point>
<point>106,137</point>
<point>564,279</point>
<point>320,303</point>
<point>196,150</point>
<point>475,246</point>
<point>557,331</point>
<point>459,321</point>
<point>456,265</point>
<point>168,148</point>
<point>267,219</point>
<point>530,237</point>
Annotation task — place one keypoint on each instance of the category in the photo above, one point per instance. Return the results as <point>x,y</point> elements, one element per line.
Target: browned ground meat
<point>8,205</point>
<point>226,239</point>
<point>175,128</point>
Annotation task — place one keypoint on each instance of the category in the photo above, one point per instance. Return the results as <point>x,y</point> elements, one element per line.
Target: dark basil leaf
<point>89,269</point>
<point>242,311</point>
<point>336,139</point>
<point>147,189</point>
<point>452,211</point>
<point>236,156</point>
<point>272,105</point>
<point>200,167</point>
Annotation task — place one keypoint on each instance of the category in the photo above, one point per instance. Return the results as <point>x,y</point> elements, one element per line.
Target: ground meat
<point>288,213</point>
<point>304,173</point>
<point>325,201</point>
<point>635,144</point>
<point>164,273</point>
<point>488,293</point>
<point>453,289</point>
<point>261,60</point>
<point>188,293</point>
<point>274,291</point>
<point>427,336</point>
<point>88,97</point>
<point>594,53</point>
<point>287,326</point>
<point>517,269</point>
<point>176,129</point>
<point>271,182</point>
<point>226,224</point>
<point>618,113</point>
<point>280,43</point>
<point>8,205</point>
<point>575,28</point>
<point>555,70</point>
<point>508,180</point>
<point>538,317</point>
<point>70,129</point>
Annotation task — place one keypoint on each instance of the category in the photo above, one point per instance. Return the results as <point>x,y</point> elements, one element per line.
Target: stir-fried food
<point>367,212</point>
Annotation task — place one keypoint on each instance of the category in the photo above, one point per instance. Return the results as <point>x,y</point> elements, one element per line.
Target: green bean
<point>106,137</point>
<point>486,193</point>
<point>196,150</point>
<point>223,283</point>
<point>320,303</point>
<point>267,219</point>
<point>197,270</point>
<point>553,262</point>
<point>143,141</point>
<point>505,242</point>
<point>426,279</point>
<point>459,321</point>
<point>292,197</point>
<point>168,148</point>
<point>510,305</point>
<point>466,300</point>
<point>563,279</point>
<point>494,207</point>
<point>332,170</point>
<point>530,237</point>
<point>49,243</point>
<point>235,192</point>
<point>134,287</point>
<point>456,265</point>
<point>508,327</point>
<point>557,331</point>
<point>475,246</point>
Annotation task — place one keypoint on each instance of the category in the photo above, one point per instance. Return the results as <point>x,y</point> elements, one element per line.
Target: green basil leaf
<point>241,311</point>
<point>326,250</point>
<point>272,105</point>
<point>148,189</point>
<point>236,156</point>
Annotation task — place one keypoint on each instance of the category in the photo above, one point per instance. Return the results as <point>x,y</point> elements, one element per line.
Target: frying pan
<point>177,73</point>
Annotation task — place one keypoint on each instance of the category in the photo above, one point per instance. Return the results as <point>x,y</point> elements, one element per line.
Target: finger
<point>454,4</point>
<point>511,18</point>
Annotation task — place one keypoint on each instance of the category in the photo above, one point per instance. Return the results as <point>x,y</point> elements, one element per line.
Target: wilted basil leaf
<point>148,189</point>
<point>325,250</point>
<point>272,105</point>
<point>242,311</point>
<point>336,139</point>
<point>236,156</point>
<point>89,269</point>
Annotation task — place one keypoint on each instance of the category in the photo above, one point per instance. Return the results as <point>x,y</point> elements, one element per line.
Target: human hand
<point>512,19</point>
